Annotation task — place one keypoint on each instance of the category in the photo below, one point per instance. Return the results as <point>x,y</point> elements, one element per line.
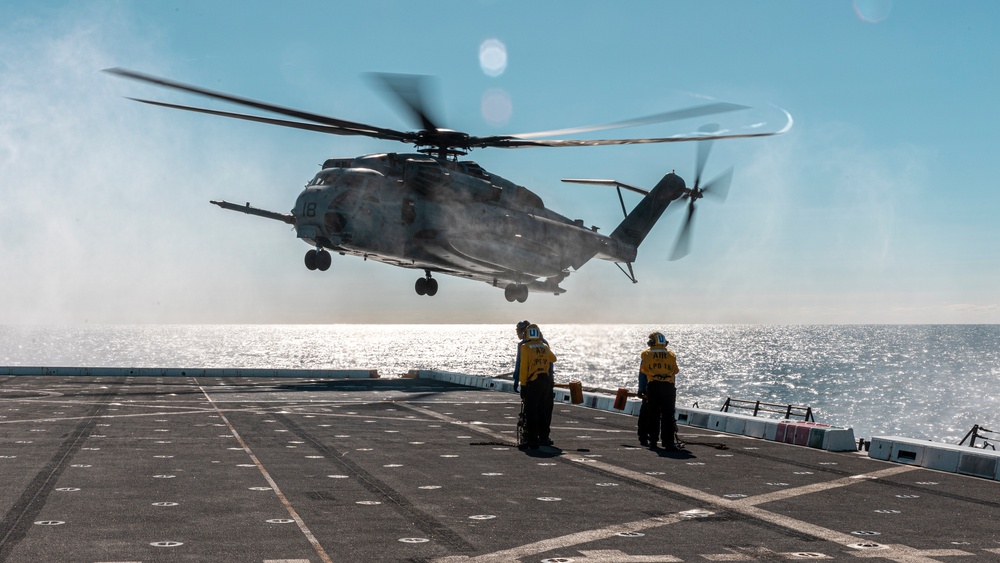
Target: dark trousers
<point>537,397</point>
<point>660,402</point>
<point>643,419</point>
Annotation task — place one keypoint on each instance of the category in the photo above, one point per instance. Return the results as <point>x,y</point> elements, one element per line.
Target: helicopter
<point>430,210</point>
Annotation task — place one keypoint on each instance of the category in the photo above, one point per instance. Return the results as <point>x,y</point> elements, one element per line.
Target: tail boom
<point>637,224</point>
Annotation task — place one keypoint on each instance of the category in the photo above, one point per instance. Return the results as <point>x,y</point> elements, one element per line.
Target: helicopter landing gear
<point>426,286</point>
<point>318,260</point>
<point>515,292</point>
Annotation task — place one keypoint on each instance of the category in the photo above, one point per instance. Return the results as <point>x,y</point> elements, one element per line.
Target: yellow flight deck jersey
<point>536,359</point>
<point>659,364</point>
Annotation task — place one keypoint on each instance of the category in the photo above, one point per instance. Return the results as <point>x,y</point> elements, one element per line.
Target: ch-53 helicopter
<point>431,211</point>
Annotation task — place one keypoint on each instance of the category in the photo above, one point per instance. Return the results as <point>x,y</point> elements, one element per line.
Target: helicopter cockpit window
<point>325,177</point>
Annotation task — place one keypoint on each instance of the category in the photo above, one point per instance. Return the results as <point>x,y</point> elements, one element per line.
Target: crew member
<point>656,384</point>
<point>643,411</point>
<point>520,329</point>
<point>534,371</point>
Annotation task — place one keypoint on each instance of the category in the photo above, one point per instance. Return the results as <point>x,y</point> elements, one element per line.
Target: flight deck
<point>122,468</point>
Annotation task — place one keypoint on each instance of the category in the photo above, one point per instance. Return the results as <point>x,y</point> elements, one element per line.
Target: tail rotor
<point>717,188</point>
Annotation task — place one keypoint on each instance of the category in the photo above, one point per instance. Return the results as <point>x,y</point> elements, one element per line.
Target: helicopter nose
<point>308,214</point>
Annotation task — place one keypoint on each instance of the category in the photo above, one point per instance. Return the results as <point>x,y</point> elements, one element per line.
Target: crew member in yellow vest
<point>656,384</point>
<point>533,367</point>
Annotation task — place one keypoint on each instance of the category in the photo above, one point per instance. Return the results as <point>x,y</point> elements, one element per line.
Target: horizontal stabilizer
<point>283,217</point>
<point>615,183</point>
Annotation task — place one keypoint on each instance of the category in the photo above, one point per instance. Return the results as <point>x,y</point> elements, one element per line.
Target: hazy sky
<point>880,206</point>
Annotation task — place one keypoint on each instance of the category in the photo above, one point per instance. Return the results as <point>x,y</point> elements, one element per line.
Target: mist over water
<point>922,381</point>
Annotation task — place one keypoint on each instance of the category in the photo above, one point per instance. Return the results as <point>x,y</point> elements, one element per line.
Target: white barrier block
<point>756,428</point>
<point>839,440</point>
<point>736,425</point>
<point>682,415</point>
<point>943,458</point>
<point>771,429</point>
<point>881,447</point>
<point>717,421</point>
<point>632,407</point>
<point>979,464</point>
<point>907,453</point>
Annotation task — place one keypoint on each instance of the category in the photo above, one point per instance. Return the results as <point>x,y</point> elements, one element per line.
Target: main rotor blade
<point>408,89</point>
<point>269,120</point>
<point>683,245</point>
<point>510,142</point>
<point>719,187</point>
<point>696,111</point>
<point>356,128</point>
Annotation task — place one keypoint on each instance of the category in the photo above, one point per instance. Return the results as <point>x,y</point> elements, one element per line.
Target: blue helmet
<point>533,332</point>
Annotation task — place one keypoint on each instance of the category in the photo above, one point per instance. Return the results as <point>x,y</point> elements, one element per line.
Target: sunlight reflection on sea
<point>923,381</point>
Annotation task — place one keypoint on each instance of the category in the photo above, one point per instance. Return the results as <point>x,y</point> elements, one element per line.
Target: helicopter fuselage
<point>441,215</point>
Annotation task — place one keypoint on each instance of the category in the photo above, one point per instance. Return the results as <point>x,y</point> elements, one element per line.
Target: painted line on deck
<point>750,509</point>
<point>747,507</point>
<point>824,486</point>
<point>569,540</point>
<point>274,486</point>
<point>480,428</point>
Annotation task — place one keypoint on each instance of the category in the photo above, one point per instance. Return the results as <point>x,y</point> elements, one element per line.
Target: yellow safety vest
<point>659,364</point>
<point>536,359</point>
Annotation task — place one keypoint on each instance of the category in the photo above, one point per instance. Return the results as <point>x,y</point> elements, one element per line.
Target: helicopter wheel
<point>522,293</point>
<point>311,259</point>
<point>510,292</point>
<point>432,287</point>
<point>323,260</point>
<point>421,286</point>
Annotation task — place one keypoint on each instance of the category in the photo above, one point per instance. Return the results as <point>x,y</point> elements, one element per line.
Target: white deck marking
<point>480,428</point>
<point>568,540</point>
<point>745,506</point>
<point>267,476</point>
<point>906,554</point>
<point>824,486</point>
<point>618,556</point>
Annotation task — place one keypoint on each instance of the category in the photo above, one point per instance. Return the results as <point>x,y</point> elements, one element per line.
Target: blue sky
<point>879,206</point>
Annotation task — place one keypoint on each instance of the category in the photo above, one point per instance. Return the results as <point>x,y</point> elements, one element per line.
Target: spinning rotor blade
<point>351,128</point>
<point>683,245</point>
<point>719,187</point>
<point>408,90</point>
<point>696,111</point>
<point>511,142</point>
<point>704,148</point>
<point>259,119</point>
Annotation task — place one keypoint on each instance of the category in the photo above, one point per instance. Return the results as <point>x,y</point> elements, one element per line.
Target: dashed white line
<point>267,476</point>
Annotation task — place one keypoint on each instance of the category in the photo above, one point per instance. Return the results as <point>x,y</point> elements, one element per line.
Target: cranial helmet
<point>532,332</point>
<point>657,339</point>
<point>522,326</point>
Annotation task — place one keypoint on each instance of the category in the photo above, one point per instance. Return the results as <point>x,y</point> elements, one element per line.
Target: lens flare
<point>493,57</point>
<point>872,11</point>
<point>496,106</point>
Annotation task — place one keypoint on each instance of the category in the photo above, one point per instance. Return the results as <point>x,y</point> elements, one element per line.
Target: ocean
<point>922,381</point>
